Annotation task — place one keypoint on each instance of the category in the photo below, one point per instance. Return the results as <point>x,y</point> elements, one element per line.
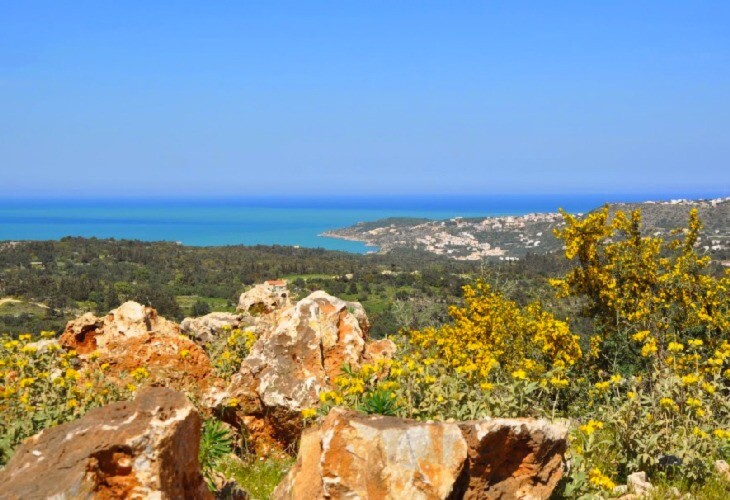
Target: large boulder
<point>146,448</point>
<point>265,298</point>
<point>294,361</point>
<point>306,349</point>
<point>204,329</point>
<point>134,336</point>
<point>351,455</point>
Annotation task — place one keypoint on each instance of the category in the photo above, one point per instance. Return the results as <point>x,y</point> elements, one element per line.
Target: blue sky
<point>232,98</point>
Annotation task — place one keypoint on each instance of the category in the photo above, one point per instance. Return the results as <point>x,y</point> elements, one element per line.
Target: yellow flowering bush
<point>659,292</point>
<point>227,351</point>
<point>651,384</point>
<point>490,331</point>
<point>41,386</point>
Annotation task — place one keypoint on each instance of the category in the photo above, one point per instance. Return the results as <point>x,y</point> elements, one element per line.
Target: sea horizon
<point>271,220</point>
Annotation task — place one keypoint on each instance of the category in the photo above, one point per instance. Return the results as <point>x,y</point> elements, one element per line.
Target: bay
<point>273,220</point>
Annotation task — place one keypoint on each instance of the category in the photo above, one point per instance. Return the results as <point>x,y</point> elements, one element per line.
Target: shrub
<point>41,386</point>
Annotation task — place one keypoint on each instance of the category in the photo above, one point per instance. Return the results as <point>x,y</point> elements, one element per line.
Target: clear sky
<point>231,98</point>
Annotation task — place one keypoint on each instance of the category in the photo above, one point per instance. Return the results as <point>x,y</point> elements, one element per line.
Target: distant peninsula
<point>511,237</point>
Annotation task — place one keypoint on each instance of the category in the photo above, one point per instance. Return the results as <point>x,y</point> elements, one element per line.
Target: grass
<point>305,277</point>
<point>257,476</point>
<point>714,488</point>
<point>216,303</point>
<point>12,307</point>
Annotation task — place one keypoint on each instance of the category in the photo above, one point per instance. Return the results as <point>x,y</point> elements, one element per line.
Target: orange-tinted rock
<point>146,448</point>
<point>379,349</point>
<point>175,361</point>
<point>89,333</point>
<point>134,336</point>
<point>351,455</point>
<point>514,458</point>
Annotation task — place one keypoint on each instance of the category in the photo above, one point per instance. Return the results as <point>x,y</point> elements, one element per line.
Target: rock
<point>723,469</point>
<point>134,336</point>
<point>292,362</point>
<point>379,349</point>
<point>638,483</point>
<point>205,328</point>
<point>514,458</point>
<point>264,298</point>
<point>351,455</point>
<point>145,448</point>
<point>356,456</point>
<point>88,333</point>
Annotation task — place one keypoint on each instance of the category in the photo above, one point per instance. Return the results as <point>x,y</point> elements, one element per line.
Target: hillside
<point>512,237</point>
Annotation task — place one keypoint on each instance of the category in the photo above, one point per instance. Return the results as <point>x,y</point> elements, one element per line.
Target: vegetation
<point>75,275</point>
<point>646,391</point>
<point>625,340</point>
<point>40,387</point>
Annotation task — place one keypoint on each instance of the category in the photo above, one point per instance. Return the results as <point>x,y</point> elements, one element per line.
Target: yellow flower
<point>558,382</point>
<point>693,402</point>
<point>27,382</point>
<point>649,348</point>
<point>640,336</point>
<point>591,427</point>
<point>25,336</point>
<point>602,386</point>
<point>631,395</point>
<point>690,379</point>
<point>708,388</point>
<point>600,480</point>
<point>519,374</point>
<point>232,403</point>
<point>668,403</point>
<point>309,412</point>
<point>699,433</point>
<point>72,403</point>
<point>695,342</point>
<point>616,379</point>
<point>140,373</point>
<point>184,353</point>
<point>486,386</point>
<point>104,366</point>
<point>721,433</point>
<point>675,347</point>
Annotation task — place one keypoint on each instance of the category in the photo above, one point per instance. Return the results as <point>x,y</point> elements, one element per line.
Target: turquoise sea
<point>260,220</point>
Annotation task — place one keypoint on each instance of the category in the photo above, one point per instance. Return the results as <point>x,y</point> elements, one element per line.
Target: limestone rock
<point>146,448</point>
<point>379,349</point>
<point>356,456</point>
<point>134,336</point>
<point>351,455</point>
<point>131,319</point>
<point>723,469</point>
<point>205,328</point>
<point>291,363</point>
<point>299,352</point>
<point>514,458</point>
<point>639,484</point>
<point>264,298</point>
